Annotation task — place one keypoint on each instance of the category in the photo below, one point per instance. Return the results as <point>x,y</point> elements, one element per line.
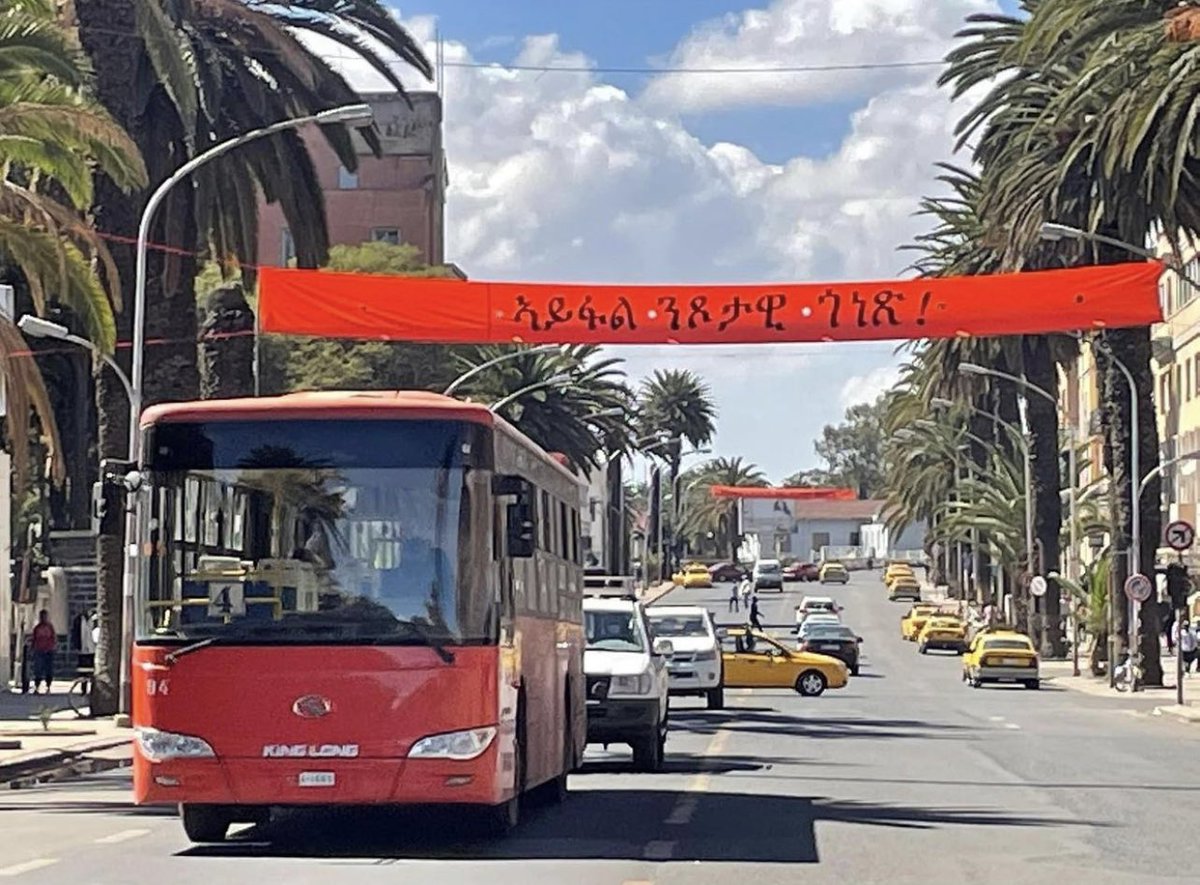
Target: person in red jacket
<point>44,641</point>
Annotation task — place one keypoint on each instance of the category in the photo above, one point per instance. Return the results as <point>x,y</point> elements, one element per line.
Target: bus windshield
<point>255,536</point>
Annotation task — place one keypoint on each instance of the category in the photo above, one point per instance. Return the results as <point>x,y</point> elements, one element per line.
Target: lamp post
<point>555,381</point>
<point>349,114</point>
<point>36,327</point>
<point>973,369</point>
<point>1054,232</point>
<point>504,357</point>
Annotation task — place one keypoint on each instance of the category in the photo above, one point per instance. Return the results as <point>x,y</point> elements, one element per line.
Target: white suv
<point>695,667</point>
<point>626,673</point>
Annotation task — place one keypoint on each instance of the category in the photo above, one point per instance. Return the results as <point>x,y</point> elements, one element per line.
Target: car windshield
<point>316,531</point>
<point>831,632</point>
<point>768,568</point>
<point>614,631</point>
<point>1007,644</point>
<point>679,625</point>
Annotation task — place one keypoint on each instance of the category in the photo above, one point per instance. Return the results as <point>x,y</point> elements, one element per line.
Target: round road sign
<point>1138,588</point>
<point>1180,535</point>
<point>1037,586</point>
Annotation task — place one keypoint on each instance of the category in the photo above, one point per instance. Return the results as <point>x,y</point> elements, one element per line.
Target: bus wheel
<point>205,823</point>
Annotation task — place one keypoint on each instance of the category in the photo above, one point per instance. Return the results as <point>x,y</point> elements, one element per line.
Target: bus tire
<point>502,819</point>
<point>205,823</point>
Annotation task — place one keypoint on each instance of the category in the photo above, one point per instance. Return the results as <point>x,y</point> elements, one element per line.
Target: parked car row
<point>819,629</point>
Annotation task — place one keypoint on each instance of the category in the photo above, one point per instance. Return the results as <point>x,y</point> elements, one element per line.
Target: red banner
<point>791,493</point>
<point>371,307</point>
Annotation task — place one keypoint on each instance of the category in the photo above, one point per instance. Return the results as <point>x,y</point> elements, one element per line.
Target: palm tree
<point>182,76</point>
<point>568,401</point>
<point>702,514</point>
<point>52,136</point>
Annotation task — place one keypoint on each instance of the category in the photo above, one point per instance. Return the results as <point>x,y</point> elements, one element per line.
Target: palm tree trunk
<point>1047,484</point>
<point>170,321</point>
<point>1132,347</point>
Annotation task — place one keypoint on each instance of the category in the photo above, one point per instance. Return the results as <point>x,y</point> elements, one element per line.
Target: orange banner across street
<point>390,308</point>
<point>791,493</point>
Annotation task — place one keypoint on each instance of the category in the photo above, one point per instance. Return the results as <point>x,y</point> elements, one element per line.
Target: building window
<point>386,235</point>
<point>347,180</point>
<point>1187,388</point>
<point>287,250</point>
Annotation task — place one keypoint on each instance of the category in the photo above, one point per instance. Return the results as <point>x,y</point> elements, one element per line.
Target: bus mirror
<point>520,532</point>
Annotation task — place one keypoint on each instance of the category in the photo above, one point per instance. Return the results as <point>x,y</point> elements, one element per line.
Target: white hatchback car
<point>695,667</point>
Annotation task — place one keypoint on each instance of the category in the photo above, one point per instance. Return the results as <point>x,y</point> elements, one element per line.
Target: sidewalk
<point>1059,673</point>
<point>64,743</point>
<point>653,594</point>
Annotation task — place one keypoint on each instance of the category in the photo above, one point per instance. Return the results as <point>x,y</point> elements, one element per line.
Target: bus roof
<point>353,404</point>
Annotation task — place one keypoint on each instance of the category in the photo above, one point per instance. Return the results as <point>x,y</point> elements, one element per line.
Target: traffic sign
<point>1037,586</point>
<point>1138,588</point>
<point>1180,535</point>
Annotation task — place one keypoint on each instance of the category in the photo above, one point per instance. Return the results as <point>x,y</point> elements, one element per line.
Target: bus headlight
<point>454,744</point>
<point>642,683</point>
<point>160,746</point>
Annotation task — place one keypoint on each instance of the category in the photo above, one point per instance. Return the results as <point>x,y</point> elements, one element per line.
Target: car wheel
<point>205,823</point>
<point>811,683</point>
<point>854,670</point>
<point>716,698</point>
<point>923,648</point>
<point>1033,684</point>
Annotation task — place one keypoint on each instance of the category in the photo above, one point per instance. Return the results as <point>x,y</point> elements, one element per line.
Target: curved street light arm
<point>504,357</point>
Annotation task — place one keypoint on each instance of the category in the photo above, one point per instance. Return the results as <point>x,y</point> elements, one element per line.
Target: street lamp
<point>504,357</point>
<point>1053,232</point>
<point>530,388</point>
<point>358,113</point>
<point>36,327</point>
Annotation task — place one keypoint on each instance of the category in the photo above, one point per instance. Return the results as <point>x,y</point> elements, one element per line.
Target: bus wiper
<point>438,646</point>
<point>178,653</point>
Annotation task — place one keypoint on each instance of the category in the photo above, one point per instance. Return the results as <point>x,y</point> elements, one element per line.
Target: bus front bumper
<point>485,780</point>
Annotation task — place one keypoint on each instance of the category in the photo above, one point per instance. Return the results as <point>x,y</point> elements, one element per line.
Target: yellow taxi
<point>902,587</point>
<point>833,573</point>
<point>943,631</point>
<point>896,570</point>
<point>694,574</point>
<point>914,620</point>
<point>754,660</point>
<point>1001,656</point>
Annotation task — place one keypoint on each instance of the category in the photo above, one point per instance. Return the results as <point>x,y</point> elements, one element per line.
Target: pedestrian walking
<point>746,589</point>
<point>755,617</point>
<point>1188,640</point>
<point>1168,625</point>
<point>44,641</point>
<point>735,593</point>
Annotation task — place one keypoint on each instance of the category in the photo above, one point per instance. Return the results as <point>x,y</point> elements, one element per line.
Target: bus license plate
<point>317,778</point>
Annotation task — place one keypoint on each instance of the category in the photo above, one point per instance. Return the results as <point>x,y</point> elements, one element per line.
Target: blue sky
<point>611,177</point>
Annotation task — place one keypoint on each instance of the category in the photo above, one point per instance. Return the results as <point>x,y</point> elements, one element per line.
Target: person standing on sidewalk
<point>44,642</point>
<point>1185,636</point>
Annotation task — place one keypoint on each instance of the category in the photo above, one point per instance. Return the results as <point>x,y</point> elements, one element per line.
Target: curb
<point>655,594</point>
<point>1186,714</point>
<point>42,765</point>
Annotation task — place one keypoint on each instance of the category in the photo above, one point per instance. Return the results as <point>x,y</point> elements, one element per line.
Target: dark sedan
<point>835,641</point>
<point>727,571</point>
<point>801,571</point>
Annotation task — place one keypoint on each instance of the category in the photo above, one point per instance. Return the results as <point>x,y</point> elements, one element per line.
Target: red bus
<point>353,599</point>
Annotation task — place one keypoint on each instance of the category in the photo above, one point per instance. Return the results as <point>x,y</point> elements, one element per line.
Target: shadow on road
<point>602,824</point>
<point>776,723</point>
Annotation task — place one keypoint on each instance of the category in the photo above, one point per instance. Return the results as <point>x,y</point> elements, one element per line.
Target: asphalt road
<point>905,776</point>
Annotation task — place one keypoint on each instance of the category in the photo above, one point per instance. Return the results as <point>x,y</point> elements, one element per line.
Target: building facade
<point>808,529</point>
<point>398,197</point>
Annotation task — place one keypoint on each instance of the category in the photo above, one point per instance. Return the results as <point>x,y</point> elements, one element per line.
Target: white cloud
<point>562,176</point>
<point>813,34</point>
<point>868,387</point>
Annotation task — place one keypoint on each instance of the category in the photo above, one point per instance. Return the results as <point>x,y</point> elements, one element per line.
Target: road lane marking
<point>681,814</point>
<point>1011,725</point>
<point>122,836</point>
<point>996,718</point>
<point>659,849</point>
<point>27,867</point>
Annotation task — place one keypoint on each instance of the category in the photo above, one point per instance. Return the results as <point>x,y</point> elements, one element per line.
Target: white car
<point>626,673</point>
<point>816,619</point>
<point>814,605</point>
<point>768,573</point>
<point>695,667</point>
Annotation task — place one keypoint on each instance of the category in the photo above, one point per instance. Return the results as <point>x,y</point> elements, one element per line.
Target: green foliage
<point>852,452</point>
<point>702,515</point>
<point>676,404</point>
